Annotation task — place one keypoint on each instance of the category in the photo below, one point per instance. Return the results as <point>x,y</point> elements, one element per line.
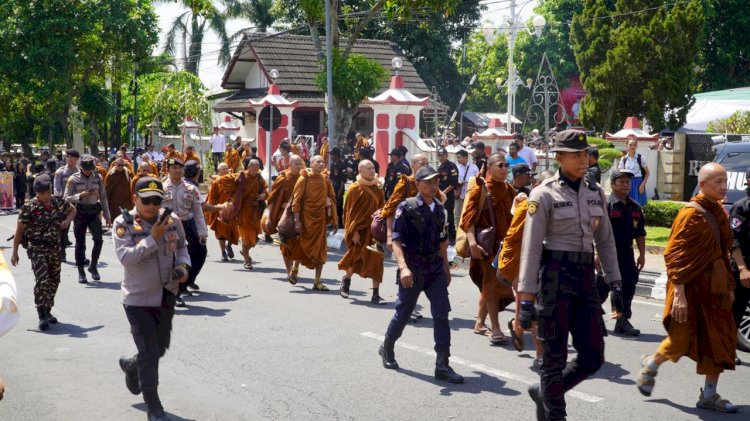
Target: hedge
<point>598,143</point>
<point>661,213</point>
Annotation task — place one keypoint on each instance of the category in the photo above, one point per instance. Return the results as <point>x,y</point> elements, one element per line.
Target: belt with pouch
<point>579,257</point>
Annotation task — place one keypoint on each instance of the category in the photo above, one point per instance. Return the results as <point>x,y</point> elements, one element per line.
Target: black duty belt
<point>88,207</point>
<point>422,258</point>
<point>570,256</point>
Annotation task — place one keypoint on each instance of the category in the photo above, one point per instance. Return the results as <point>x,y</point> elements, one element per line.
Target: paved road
<point>251,347</point>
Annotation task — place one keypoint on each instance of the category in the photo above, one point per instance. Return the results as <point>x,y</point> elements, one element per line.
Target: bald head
<point>366,169</point>
<point>296,164</point>
<point>712,179</point>
<point>317,164</point>
<point>710,170</point>
<point>418,161</point>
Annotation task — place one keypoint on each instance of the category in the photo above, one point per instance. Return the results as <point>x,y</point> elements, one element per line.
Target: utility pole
<point>329,76</point>
<point>135,107</point>
<point>511,67</point>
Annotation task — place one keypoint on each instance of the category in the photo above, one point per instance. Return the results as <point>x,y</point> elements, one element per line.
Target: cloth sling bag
<point>232,211</point>
<point>486,237</point>
<point>379,226</point>
<point>286,228</point>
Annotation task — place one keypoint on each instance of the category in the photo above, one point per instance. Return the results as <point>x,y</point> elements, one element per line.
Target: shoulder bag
<point>379,226</point>
<point>286,228</point>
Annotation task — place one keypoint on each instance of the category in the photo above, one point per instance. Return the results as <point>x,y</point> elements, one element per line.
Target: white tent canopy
<point>717,105</point>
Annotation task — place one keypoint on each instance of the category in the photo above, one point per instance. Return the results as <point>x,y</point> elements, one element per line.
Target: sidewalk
<point>653,280</point>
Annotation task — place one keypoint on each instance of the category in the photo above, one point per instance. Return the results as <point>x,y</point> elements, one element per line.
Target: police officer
<point>60,181</point>
<point>420,245</point>
<point>338,181</point>
<point>396,167</point>
<point>521,178</point>
<point>739,221</point>
<point>628,224</point>
<point>448,183</point>
<point>185,201</point>
<point>557,272</point>
<point>39,225</point>
<point>85,190</point>
<point>151,247</point>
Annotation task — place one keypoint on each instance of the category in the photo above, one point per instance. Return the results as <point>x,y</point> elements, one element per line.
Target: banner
<point>6,190</point>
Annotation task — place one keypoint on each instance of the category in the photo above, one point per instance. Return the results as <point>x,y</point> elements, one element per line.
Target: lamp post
<point>273,74</point>
<point>510,26</point>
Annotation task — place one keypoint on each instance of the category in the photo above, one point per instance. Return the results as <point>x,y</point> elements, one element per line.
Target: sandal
<point>292,278</point>
<point>498,339</point>
<point>320,286</point>
<point>715,403</point>
<point>248,265</point>
<point>646,379</point>
<point>482,331</point>
<point>517,340</point>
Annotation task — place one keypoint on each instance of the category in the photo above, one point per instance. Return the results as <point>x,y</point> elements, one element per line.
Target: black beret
<point>42,183</point>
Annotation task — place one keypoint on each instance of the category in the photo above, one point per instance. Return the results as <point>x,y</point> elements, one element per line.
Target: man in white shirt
<point>526,152</point>
<point>218,144</point>
<point>466,170</point>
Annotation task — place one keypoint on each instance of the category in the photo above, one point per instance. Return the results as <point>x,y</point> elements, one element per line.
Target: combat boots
<point>43,322</point>
<point>388,355</point>
<point>94,273</point>
<point>132,381</point>
<point>623,327</point>
<point>50,318</point>
<point>154,410</point>
<point>443,371</point>
<point>82,276</point>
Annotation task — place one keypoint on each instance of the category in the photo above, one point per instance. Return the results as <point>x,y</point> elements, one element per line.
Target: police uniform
<point>564,219</point>
<point>628,224</point>
<point>88,211</point>
<point>338,181</point>
<point>449,177</point>
<point>41,238</point>
<point>185,201</point>
<point>149,289</point>
<point>739,221</point>
<point>61,180</point>
<point>393,173</point>
<point>421,230</point>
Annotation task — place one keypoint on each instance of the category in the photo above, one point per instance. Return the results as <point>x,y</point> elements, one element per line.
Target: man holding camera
<point>151,247</point>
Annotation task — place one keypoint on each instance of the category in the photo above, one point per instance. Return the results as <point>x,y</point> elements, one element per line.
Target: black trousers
<point>567,303</point>
<point>629,273</point>
<point>82,222</point>
<point>196,250</point>
<point>741,300</point>
<point>218,157</point>
<point>63,240</point>
<point>450,204</point>
<point>151,328</point>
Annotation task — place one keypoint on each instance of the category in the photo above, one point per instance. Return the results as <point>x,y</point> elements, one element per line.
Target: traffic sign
<point>275,118</point>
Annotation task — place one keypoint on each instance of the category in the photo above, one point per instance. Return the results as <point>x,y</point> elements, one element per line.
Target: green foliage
<point>726,51</point>
<point>738,123</point>
<point>661,213</point>
<point>354,78</point>
<point>607,157</point>
<point>657,236</point>
<point>171,96</point>
<point>598,142</point>
<point>627,64</point>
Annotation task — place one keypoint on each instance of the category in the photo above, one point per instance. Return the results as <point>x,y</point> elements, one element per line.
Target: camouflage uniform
<point>43,234</point>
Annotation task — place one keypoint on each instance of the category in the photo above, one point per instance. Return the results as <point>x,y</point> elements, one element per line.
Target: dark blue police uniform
<point>628,224</point>
<point>739,221</point>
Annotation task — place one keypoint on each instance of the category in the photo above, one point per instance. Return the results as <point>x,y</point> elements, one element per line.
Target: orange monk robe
<point>709,337</point>
<point>102,170</point>
<point>361,202</point>
<point>364,143</point>
<point>248,217</point>
<point>192,157</point>
<point>281,193</point>
<point>405,188</point>
<point>223,231</point>
<point>509,262</point>
<point>173,154</point>
<point>232,159</point>
<point>325,153</point>
<point>480,270</point>
<point>138,177</point>
<point>117,185</point>
<point>309,199</point>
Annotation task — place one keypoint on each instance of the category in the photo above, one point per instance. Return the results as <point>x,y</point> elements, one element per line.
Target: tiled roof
<point>295,58</point>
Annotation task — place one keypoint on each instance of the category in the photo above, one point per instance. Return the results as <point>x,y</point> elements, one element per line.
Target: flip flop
<point>320,286</point>
<point>248,265</point>
<point>517,341</point>
<point>481,331</point>
<point>292,278</point>
<point>498,339</point>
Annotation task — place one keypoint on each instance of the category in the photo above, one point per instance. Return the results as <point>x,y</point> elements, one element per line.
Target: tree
<point>637,59</point>
<point>258,12</point>
<point>726,51</point>
<point>737,123</point>
<point>191,27</point>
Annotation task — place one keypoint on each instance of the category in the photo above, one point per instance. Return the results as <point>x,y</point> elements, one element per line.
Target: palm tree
<point>258,12</point>
<point>191,27</point>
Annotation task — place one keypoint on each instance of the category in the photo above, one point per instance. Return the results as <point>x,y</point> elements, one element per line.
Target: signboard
<point>264,120</point>
<point>698,151</point>
<point>6,190</point>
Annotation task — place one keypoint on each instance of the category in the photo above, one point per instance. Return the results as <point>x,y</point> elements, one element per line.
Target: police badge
<point>532,207</point>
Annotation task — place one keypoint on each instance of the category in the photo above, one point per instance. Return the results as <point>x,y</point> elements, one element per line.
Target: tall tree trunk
<point>94,134</point>
<point>196,44</point>
<point>117,138</point>
<point>342,116</point>
<point>610,114</point>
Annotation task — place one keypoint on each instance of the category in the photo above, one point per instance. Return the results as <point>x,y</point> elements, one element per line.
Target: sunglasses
<point>502,165</point>
<point>154,201</point>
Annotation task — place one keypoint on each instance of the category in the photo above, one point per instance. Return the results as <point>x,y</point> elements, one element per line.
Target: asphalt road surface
<point>251,347</point>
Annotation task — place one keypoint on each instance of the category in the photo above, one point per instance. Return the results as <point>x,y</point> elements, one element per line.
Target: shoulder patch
<point>736,222</point>
<point>532,207</point>
<point>120,231</point>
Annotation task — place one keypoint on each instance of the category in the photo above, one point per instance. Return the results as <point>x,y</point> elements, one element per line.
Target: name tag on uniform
<point>559,205</point>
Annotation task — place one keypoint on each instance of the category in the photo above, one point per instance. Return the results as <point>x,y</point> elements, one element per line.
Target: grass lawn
<point>657,236</point>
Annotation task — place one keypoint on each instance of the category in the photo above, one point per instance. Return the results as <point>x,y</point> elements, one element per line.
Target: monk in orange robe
<point>225,233</point>
<point>246,204</point>
<point>495,296</point>
<point>314,207</point>
<point>246,151</point>
<point>232,158</point>
<point>190,155</point>
<point>149,164</point>
<point>405,188</point>
<point>117,185</point>
<point>363,198</point>
<point>171,153</point>
<point>281,193</point>
<point>325,151</point>
<point>700,291</point>
<point>143,171</point>
<point>361,142</point>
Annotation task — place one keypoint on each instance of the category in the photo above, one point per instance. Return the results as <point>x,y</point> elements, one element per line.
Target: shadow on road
<point>194,310</point>
<point>644,337</point>
<point>257,269</point>
<point>473,385</point>
<point>172,416</point>
<point>614,373</point>
<point>701,414</point>
<point>102,285</point>
<point>199,296</point>
<point>73,331</point>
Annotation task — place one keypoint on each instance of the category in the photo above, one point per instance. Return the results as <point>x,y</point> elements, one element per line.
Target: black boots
<point>94,273</point>
<point>346,283</point>
<point>623,327</point>
<point>443,371</point>
<point>535,392</point>
<point>132,381</point>
<point>224,257</point>
<point>388,355</point>
<point>230,252</point>
<point>82,276</point>
<point>43,318</point>
<point>154,410</point>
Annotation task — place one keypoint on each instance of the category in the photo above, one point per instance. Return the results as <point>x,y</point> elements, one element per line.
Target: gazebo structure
<point>496,135</point>
<point>631,130</point>
<point>266,144</point>
<point>228,128</point>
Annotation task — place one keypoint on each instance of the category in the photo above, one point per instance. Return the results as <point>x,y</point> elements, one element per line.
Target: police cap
<point>192,169</point>
<point>617,173</point>
<point>42,183</point>
<point>396,152</point>
<point>570,141</point>
<point>88,163</point>
<point>442,151</point>
<point>72,152</point>
<point>149,187</point>
<point>175,161</point>
<point>521,169</point>
<point>426,173</point>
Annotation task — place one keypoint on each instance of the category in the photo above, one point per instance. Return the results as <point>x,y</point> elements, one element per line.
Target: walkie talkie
<point>126,216</point>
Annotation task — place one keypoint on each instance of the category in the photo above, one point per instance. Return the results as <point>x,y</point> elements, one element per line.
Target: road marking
<point>648,303</point>
<point>481,367</point>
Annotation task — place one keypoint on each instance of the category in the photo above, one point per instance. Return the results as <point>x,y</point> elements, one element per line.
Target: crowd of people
<point>495,208</point>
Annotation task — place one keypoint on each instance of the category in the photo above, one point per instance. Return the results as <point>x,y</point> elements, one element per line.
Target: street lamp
<point>511,25</point>
<point>397,63</point>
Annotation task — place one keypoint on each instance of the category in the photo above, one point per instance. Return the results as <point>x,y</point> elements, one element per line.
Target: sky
<point>211,72</point>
